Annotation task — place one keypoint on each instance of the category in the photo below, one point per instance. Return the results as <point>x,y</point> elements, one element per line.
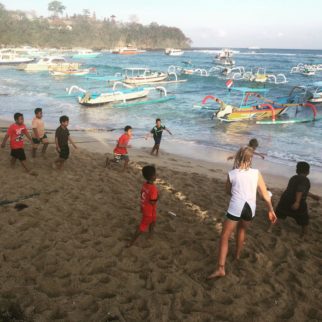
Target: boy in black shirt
<point>157,135</point>
<point>293,200</point>
<point>61,139</point>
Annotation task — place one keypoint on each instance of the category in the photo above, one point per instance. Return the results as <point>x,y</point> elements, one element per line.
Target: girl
<point>242,184</point>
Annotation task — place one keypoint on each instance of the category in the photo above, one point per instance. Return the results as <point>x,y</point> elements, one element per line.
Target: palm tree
<point>56,7</point>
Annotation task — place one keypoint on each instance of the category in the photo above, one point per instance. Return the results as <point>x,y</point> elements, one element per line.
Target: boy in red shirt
<point>149,198</point>
<point>120,150</point>
<point>15,132</point>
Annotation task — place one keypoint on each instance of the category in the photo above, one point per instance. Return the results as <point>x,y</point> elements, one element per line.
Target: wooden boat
<point>114,95</point>
<point>71,72</point>
<point>139,76</point>
<point>128,50</point>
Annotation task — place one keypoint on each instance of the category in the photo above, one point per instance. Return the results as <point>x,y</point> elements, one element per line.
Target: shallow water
<point>20,91</point>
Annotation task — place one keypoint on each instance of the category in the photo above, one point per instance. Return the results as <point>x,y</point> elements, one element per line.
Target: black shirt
<point>62,136</point>
<point>157,131</point>
<point>297,183</point>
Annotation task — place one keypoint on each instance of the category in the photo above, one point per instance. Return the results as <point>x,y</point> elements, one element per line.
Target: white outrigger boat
<point>225,58</point>
<point>11,57</point>
<point>142,76</point>
<point>48,63</point>
<point>115,95</point>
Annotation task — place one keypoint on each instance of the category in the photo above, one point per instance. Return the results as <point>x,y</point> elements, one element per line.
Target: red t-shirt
<point>16,133</point>
<point>149,192</point>
<point>123,140</point>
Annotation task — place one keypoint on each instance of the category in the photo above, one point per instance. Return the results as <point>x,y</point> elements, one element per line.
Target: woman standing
<point>242,184</point>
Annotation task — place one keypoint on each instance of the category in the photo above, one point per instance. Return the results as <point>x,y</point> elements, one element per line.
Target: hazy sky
<point>232,23</point>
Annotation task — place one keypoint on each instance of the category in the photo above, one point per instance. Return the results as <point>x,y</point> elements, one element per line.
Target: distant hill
<point>25,28</point>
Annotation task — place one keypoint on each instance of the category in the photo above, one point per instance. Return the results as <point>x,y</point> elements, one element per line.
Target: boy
<point>253,143</point>
<point>16,132</point>
<point>120,150</point>
<point>38,133</point>
<point>293,200</point>
<point>149,198</point>
<point>61,139</point>
<point>157,135</point>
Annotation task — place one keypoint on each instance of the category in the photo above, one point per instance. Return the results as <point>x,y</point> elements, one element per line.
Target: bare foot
<point>220,272</point>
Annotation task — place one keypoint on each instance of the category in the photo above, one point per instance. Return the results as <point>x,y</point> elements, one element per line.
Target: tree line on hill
<point>83,30</point>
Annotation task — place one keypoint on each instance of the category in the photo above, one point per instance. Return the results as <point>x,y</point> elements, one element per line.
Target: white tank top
<point>244,189</point>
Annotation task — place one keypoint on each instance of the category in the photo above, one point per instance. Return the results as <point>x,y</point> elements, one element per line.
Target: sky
<point>212,23</point>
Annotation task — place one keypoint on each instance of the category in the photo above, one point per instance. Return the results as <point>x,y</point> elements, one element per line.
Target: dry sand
<point>64,257</point>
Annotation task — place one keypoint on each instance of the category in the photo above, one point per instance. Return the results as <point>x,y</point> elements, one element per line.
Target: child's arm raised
<point>4,141</point>
<point>72,142</point>
<point>267,198</point>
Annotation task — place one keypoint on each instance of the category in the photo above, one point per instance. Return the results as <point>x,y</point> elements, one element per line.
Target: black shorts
<point>120,157</point>
<point>157,141</point>
<point>18,154</point>
<point>64,152</point>
<point>301,216</point>
<point>245,215</point>
<point>38,141</point>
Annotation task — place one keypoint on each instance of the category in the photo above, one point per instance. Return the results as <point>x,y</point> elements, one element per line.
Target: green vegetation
<point>83,30</point>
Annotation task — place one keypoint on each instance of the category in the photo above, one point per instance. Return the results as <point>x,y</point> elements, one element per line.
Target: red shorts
<point>146,221</point>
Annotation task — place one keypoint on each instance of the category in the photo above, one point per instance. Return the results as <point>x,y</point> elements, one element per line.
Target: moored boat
<point>173,52</point>
<point>11,57</point>
<point>139,76</point>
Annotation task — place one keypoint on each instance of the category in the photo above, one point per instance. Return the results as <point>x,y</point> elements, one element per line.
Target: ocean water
<point>22,92</point>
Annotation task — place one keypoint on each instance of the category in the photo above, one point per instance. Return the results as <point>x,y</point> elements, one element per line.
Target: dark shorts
<point>157,141</point>
<point>246,214</point>
<point>64,152</point>
<point>38,141</point>
<point>18,154</point>
<point>120,157</point>
<point>301,216</point>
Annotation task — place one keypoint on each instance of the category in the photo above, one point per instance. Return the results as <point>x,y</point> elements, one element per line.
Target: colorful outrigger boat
<point>253,106</point>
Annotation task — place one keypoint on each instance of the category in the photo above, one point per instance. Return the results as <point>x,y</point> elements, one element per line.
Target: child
<point>253,143</point>
<point>38,133</point>
<point>293,200</point>
<point>157,135</point>
<point>242,184</point>
<point>61,139</point>
<point>16,132</point>
<point>149,198</point>
<point>120,150</point>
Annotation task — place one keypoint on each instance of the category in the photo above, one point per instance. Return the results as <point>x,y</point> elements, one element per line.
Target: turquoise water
<point>20,91</point>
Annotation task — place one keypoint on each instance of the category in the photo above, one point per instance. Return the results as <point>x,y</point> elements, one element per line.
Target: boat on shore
<point>49,63</point>
<point>173,52</point>
<point>11,57</point>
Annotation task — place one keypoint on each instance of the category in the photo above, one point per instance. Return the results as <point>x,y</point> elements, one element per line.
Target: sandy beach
<point>64,257</point>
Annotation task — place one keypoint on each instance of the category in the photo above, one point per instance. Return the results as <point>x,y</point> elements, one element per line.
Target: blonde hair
<point>243,158</point>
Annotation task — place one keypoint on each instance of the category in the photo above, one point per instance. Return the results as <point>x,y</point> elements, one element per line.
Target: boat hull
<point>48,67</point>
<point>145,80</point>
<point>16,62</point>
<point>107,98</point>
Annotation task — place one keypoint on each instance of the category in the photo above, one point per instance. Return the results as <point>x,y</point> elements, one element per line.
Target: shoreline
<point>204,160</point>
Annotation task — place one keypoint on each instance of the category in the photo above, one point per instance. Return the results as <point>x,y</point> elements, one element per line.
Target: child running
<point>149,198</point>
<point>38,133</point>
<point>253,143</point>
<point>15,132</point>
<point>120,150</point>
<point>293,200</point>
<point>157,135</point>
<point>62,137</point>
<point>242,185</point>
